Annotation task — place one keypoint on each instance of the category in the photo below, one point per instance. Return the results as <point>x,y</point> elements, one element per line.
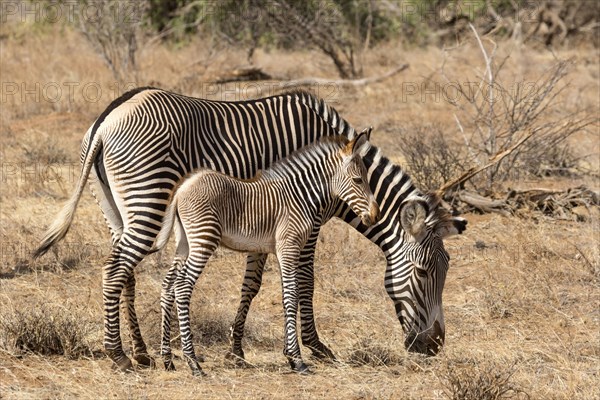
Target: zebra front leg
<point>310,337</point>
<point>288,263</point>
<point>140,351</point>
<point>306,288</point>
<point>255,264</point>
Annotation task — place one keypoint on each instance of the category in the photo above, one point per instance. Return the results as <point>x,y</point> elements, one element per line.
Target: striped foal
<point>275,212</point>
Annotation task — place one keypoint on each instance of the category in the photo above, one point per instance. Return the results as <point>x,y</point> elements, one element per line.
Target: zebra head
<point>352,182</point>
<point>416,286</point>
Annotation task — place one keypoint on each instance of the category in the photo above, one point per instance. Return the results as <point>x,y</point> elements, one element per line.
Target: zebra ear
<point>412,218</point>
<point>360,140</point>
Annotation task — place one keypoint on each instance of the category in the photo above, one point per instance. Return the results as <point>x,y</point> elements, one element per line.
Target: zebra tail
<point>63,220</point>
<point>167,226</point>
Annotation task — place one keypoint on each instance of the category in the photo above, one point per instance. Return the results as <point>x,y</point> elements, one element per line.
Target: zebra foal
<point>275,212</point>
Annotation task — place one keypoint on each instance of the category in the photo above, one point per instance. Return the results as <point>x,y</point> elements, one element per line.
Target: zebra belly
<point>249,244</point>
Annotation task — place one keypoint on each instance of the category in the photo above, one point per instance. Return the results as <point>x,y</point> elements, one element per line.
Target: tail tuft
<point>59,227</point>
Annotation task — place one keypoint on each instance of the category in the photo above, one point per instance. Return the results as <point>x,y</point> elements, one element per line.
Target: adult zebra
<point>148,139</point>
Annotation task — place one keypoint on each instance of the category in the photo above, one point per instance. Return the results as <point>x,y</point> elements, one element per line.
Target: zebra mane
<point>323,145</point>
<point>437,215</point>
<point>324,111</point>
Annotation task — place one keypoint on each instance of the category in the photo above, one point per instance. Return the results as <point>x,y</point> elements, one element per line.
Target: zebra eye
<point>421,272</point>
<point>357,180</point>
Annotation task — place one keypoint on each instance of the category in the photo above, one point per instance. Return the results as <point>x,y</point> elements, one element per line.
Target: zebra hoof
<point>195,367</point>
<point>120,361</point>
<point>169,366</point>
<point>237,357</point>
<point>322,353</point>
<point>124,365</point>
<point>145,361</point>
<point>199,373</point>
<point>300,368</point>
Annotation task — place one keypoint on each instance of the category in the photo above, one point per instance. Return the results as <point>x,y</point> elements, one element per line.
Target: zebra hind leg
<point>140,351</point>
<point>182,288</point>
<point>167,301</point>
<point>255,264</point>
<point>115,275</point>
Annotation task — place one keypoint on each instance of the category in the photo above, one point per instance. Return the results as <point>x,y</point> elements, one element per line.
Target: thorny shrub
<point>472,380</point>
<point>45,330</point>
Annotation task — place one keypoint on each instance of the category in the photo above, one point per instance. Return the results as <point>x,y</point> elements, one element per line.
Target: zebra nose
<point>438,336</point>
<point>375,214</point>
<point>429,342</point>
<point>372,216</point>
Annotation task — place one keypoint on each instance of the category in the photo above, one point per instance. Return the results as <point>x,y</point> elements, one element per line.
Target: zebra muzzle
<point>371,217</point>
<point>429,342</point>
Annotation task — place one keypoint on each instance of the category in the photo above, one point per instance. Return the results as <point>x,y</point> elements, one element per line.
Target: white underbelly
<point>249,244</point>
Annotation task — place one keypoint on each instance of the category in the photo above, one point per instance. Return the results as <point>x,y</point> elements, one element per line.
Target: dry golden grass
<point>521,299</point>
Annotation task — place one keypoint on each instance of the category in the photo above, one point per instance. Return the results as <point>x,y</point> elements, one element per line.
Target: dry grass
<point>45,330</point>
<point>522,297</point>
<point>468,380</point>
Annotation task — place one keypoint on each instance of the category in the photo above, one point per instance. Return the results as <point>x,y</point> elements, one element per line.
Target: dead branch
<point>557,203</point>
<point>471,172</point>
<point>243,74</point>
<point>483,204</point>
<point>576,203</point>
<point>345,82</point>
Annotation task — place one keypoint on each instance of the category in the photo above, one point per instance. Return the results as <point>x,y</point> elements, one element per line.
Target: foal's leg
<point>306,289</point>
<point>252,282</point>
<point>167,294</point>
<point>255,264</point>
<point>288,256</point>
<point>167,301</point>
<point>201,249</point>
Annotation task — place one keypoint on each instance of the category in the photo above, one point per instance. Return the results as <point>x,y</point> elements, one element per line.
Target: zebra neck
<point>307,179</point>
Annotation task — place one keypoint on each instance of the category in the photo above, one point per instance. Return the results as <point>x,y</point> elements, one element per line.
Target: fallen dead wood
<point>557,203</point>
<point>578,203</point>
<point>244,74</point>
<point>256,74</point>
<point>483,204</point>
<point>344,82</point>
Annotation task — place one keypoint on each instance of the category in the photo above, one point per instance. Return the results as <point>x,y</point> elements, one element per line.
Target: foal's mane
<point>328,144</point>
